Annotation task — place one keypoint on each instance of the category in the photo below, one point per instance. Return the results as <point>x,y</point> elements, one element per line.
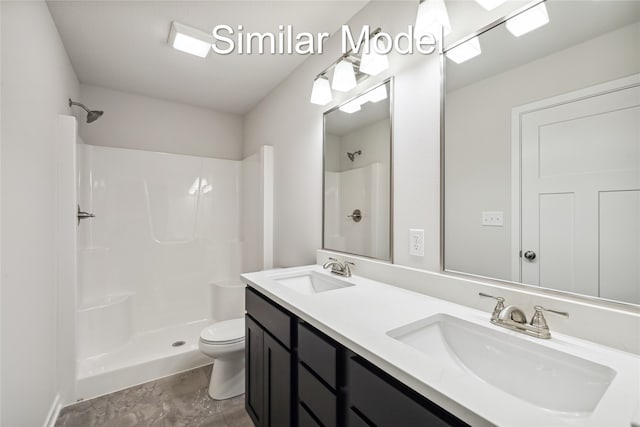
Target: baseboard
<point>52,416</point>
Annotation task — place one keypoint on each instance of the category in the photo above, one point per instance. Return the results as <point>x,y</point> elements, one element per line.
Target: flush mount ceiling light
<point>351,107</point>
<point>321,92</point>
<point>490,4</point>
<point>528,20</point>
<point>373,63</point>
<point>465,51</point>
<point>431,17</point>
<point>344,78</point>
<point>190,40</point>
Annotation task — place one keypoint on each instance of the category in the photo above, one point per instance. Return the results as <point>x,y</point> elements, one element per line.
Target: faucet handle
<point>539,309</point>
<point>347,267</point>
<point>333,259</point>
<point>538,320</point>
<point>499,305</point>
<point>499,299</point>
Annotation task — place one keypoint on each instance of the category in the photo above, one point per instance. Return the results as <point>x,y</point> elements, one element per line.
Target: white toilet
<point>224,341</point>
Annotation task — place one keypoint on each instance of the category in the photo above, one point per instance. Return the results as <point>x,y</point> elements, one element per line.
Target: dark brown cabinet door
<point>268,378</point>
<point>277,381</point>
<point>254,372</point>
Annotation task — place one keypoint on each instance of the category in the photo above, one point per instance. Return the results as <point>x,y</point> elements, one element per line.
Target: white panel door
<point>580,203</point>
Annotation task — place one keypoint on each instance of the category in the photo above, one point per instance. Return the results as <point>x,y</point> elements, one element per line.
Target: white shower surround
<point>167,226</point>
<point>365,188</point>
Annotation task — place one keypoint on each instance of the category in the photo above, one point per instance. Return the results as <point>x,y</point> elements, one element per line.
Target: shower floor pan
<point>145,357</point>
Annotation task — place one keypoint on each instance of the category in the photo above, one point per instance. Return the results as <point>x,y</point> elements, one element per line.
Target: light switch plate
<point>493,219</point>
<point>416,242</point>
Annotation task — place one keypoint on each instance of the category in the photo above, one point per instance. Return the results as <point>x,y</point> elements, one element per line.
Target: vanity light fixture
<point>321,92</point>
<point>344,78</point>
<point>351,107</point>
<point>528,20</point>
<point>190,40</point>
<point>373,63</point>
<point>465,51</point>
<point>490,4</point>
<point>431,17</point>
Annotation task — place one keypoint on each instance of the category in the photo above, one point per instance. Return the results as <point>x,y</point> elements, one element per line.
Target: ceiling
<point>122,45</point>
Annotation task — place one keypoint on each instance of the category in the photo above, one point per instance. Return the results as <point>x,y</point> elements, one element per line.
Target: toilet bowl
<point>224,342</point>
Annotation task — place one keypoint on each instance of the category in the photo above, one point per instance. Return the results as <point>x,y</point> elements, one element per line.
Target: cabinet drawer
<point>305,419</point>
<point>386,402</point>
<point>317,353</point>
<point>271,317</point>
<point>317,397</point>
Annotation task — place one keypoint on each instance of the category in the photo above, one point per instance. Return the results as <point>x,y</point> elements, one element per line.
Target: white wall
<point>286,120</point>
<point>478,157</point>
<point>1,281</point>
<point>251,212</point>
<point>66,251</point>
<point>143,123</point>
<point>332,153</point>
<point>37,79</point>
<point>257,210</point>
<point>372,140</point>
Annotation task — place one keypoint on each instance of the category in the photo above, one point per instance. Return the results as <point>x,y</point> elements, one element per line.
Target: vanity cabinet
<point>269,362</point>
<point>298,376</point>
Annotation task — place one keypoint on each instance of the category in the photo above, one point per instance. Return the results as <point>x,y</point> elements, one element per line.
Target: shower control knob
<point>83,215</point>
<point>530,255</point>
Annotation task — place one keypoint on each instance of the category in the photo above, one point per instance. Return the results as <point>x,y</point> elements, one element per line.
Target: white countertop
<point>359,317</point>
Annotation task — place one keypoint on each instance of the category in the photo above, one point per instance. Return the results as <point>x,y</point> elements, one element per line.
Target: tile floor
<point>176,401</point>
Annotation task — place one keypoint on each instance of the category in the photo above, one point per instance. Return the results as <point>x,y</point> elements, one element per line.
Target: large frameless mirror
<point>357,175</point>
<point>542,150</point>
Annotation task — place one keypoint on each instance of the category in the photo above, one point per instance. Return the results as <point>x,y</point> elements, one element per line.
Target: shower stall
<point>165,228</point>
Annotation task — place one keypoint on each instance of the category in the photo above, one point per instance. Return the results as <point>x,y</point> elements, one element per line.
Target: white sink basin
<point>542,376</point>
<point>311,282</point>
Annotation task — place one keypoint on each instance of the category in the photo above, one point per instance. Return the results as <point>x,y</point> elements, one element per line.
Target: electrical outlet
<point>492,219</point>
<point>416,242</point>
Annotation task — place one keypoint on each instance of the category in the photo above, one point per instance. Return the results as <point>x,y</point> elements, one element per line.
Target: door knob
<point>356,216</point>
<point>530,255</point>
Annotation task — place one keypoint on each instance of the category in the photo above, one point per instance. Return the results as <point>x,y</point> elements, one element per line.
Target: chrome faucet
<point>339,268</point>
<point>513,318</point>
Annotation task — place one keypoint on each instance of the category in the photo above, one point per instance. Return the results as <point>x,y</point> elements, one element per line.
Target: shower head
<point>92,115</point>
<point>352,156</point>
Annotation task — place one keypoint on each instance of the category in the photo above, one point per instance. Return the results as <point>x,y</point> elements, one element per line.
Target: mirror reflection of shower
<point>352,156</point>
<point>92,115</point>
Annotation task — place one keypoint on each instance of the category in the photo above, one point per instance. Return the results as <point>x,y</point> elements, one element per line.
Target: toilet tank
<point>227,300</point>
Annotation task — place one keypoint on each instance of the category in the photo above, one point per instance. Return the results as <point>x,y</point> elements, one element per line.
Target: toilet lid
<point>225,332</point>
